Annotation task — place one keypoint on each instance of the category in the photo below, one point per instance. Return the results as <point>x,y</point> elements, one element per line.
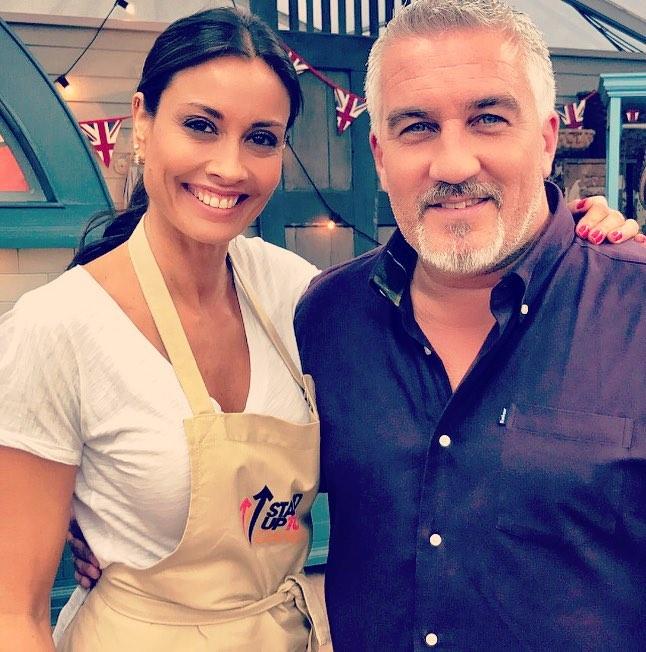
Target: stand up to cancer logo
<point>265,520</point>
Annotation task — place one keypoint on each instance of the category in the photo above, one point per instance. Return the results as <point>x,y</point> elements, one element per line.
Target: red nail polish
<point>615,235</point>
<point>599,239</point>
<point>595,234</point>
<point>580,204</point>
<point>583,230</point>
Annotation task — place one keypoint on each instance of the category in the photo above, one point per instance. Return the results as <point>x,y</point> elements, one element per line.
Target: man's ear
<point>550,141</point>
<point>377,155</point>
<point>141,121</point>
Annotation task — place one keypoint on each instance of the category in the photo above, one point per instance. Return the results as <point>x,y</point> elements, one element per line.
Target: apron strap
<point>167,322</point>
<point>297,588</point>
<point>274,337</point>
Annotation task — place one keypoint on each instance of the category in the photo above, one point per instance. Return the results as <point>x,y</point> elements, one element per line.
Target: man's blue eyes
<point>485,119</point>
<point>490,119</point>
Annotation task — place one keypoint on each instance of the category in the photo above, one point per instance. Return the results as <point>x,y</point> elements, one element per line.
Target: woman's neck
<point>196,273</point>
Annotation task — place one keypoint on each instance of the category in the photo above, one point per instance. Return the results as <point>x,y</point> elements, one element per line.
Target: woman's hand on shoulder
<point>598,222</point>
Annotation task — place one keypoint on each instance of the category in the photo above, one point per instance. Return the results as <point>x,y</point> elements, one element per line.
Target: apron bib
<point>234,581</point>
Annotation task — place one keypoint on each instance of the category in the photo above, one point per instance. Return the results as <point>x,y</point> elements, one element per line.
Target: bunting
<point>300,65</point>
<point>572,114</point>
<point>632,115</point>
<point>348,107</point>
<point>102,135</point>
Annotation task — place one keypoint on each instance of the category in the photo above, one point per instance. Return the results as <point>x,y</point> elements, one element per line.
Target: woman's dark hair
<point>186,43</point>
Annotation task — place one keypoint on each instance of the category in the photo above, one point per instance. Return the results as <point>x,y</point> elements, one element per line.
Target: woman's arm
<point>35,496</point>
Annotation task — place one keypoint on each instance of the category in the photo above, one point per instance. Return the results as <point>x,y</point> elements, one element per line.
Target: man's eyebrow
<point>496,101</point>
<point>398,116</point>
<point>214,113</point>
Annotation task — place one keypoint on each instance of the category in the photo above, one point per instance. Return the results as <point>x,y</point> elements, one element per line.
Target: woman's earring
<point>137,158</point>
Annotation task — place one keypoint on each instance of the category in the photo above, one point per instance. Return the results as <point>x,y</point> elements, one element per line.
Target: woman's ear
<point>140,124</point>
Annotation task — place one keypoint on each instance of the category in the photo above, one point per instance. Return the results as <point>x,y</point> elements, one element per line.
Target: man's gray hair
<point>427,18</point>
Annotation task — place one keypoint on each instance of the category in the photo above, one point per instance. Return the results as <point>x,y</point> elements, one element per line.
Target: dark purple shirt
<point>533,473</point>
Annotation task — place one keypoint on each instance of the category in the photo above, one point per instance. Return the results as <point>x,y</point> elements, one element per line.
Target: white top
<point>81,385</point>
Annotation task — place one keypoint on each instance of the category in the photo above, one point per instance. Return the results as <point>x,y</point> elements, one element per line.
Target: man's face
<point>460,148</point>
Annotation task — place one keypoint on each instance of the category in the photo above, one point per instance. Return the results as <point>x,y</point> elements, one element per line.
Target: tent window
<point>18,182</point>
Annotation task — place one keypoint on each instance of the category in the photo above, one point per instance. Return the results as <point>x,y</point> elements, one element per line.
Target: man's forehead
<point>467,66</point>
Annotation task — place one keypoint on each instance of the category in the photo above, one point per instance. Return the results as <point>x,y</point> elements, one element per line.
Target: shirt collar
<point>393,269</point>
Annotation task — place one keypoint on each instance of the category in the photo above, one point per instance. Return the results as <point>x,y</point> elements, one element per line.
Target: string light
<point>62,80</point>
<point>334,217</point>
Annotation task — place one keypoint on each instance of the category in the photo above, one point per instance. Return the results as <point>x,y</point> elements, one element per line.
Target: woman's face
<point>213,151</point>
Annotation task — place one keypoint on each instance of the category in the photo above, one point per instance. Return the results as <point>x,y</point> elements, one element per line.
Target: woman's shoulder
<point>48,302</point>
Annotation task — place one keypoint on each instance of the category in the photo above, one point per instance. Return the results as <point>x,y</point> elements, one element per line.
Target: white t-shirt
<point>80,384</point>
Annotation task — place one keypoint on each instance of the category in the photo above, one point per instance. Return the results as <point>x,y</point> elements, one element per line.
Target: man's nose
<point>454,157</point>
<point>227,162</point>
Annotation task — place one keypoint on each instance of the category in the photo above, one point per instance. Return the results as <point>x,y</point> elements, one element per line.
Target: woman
<point>202,529</point>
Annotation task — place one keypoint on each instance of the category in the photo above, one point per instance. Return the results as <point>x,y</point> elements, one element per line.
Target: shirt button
<point>427,350</point>
<point>431,639</point>
<point>445,441</point>
<point>435,539</point>
<point>524,309</point>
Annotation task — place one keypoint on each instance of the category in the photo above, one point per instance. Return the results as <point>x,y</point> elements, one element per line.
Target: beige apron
<point>234,580</point>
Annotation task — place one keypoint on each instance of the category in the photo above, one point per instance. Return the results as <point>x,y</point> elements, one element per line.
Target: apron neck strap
<point>167,321</point>
<point>273,335</point>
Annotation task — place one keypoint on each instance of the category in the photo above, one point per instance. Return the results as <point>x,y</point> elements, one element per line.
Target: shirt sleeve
<point>39,383</point>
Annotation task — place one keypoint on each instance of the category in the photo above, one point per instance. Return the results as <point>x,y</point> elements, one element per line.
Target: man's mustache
<point>456,191</point>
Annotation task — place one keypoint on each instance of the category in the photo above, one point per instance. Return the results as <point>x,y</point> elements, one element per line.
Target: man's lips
<point>461,204</point>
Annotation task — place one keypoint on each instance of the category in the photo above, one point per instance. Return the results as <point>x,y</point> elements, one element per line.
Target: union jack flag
<point>632,115</point>
<point>348,107</point>
<point>299,63</point>
<point>572,114</point>
<point>102,135</point>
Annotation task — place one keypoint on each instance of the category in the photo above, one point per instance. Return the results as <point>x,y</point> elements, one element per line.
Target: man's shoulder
<point>625,255</point>
<point>334,283</point>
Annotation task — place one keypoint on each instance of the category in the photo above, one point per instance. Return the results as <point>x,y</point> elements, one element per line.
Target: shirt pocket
<point>561,474</point>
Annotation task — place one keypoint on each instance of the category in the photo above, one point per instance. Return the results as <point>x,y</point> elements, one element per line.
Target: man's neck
<point>451,300</point>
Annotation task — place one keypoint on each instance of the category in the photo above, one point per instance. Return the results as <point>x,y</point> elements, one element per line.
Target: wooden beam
<point>613,15</point>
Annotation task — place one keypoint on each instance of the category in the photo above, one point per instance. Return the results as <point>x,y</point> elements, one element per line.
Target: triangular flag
<point>632,115</point>
<point>572,114</point>
<point>102,135</point>
<point>348,107</point>
<point>299,63</point>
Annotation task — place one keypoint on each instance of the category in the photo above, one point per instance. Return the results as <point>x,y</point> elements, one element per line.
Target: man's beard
<point>456,256</point>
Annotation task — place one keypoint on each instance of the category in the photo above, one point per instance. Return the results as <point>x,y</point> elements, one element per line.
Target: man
<point>485,458</point>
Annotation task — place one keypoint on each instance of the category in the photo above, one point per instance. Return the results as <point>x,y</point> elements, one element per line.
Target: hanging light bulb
<point>331,224</point>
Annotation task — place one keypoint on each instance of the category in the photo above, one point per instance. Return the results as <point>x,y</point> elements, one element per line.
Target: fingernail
<point>615,236</point>
<point>583,230</point>
<point>580,204</point>
<point>594,234</point>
